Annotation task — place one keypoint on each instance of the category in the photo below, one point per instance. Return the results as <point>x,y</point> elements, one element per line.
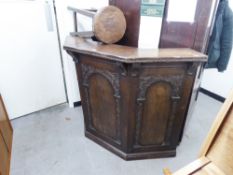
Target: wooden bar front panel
<point>134,100</point>
<point>137,108</point>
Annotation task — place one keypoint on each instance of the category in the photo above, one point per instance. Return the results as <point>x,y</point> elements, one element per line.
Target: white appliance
<point>66,25</point>
<point>31,76</point>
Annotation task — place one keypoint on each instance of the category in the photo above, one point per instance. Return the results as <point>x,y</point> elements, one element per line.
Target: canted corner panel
<point>155,114</point>
<point>156,107</point>
<point>102,97</point>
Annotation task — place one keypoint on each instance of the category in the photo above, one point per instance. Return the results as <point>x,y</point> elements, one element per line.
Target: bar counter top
<point>127,54</point>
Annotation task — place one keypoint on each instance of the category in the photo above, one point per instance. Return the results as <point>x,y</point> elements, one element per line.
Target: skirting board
<point>213,95</point>
<point>130,156</point>
<point>77,104</point>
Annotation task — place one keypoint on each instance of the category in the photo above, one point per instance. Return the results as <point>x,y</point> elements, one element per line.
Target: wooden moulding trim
<point>9,145</point>
<point>216,125</point>
<point>130,156</point>
<point>128,54</point>
<point>137,59</point>
<point>193,167</point>
<point>4,108</point>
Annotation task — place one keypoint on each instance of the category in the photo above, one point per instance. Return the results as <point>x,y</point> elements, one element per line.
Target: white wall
<point>219,83</point>
<point>65,22</point>
<point>149,34</point>
<point>216,82</point>
<point>30,67</point>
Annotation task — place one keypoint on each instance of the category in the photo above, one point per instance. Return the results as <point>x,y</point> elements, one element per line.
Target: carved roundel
<point>109,24</point>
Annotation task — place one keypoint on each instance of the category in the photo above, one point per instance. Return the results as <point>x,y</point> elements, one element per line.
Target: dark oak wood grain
<point>131,10</point>
<point>155,112</point>
<point>134,100</point>
<point>103,106</point>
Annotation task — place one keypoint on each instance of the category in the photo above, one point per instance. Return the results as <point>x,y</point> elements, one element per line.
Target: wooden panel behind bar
<point>184,34</point>
<point>177,34</point>
<point>131,10</point>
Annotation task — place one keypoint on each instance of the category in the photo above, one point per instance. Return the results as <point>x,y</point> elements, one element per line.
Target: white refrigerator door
<point>66,25</point>
<point>30,66</point>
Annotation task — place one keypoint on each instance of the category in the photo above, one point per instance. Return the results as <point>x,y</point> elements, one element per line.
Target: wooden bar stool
<point>109,24</point>
<point>216,155</point>
<point>6,136</point>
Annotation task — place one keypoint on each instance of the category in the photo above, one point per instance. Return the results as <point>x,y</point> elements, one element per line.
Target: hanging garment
<point>221,40</point>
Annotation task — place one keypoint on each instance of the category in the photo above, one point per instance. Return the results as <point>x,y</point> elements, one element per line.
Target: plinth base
<point>131,156</point>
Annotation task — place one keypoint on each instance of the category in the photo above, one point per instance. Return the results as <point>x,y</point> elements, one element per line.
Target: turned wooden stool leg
<point>166,171</point>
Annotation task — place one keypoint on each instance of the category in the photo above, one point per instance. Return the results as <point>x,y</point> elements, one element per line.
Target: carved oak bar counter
<point>134,100</point>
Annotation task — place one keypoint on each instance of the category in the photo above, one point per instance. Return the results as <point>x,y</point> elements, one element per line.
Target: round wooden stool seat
<point>109,24</point>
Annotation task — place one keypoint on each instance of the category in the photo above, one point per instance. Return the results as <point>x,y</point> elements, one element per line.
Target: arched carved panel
<point>156,93</point>
<point>103,106</point>
<point>102,98</point>
<point>155,114</point>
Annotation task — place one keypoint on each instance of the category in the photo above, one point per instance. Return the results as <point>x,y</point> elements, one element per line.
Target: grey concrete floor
<point>52,142</point>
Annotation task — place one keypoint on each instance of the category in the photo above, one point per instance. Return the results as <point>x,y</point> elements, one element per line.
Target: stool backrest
<point>218,147</point>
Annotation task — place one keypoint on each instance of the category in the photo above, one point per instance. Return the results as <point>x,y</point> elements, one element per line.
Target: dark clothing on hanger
<point>221,40</point>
